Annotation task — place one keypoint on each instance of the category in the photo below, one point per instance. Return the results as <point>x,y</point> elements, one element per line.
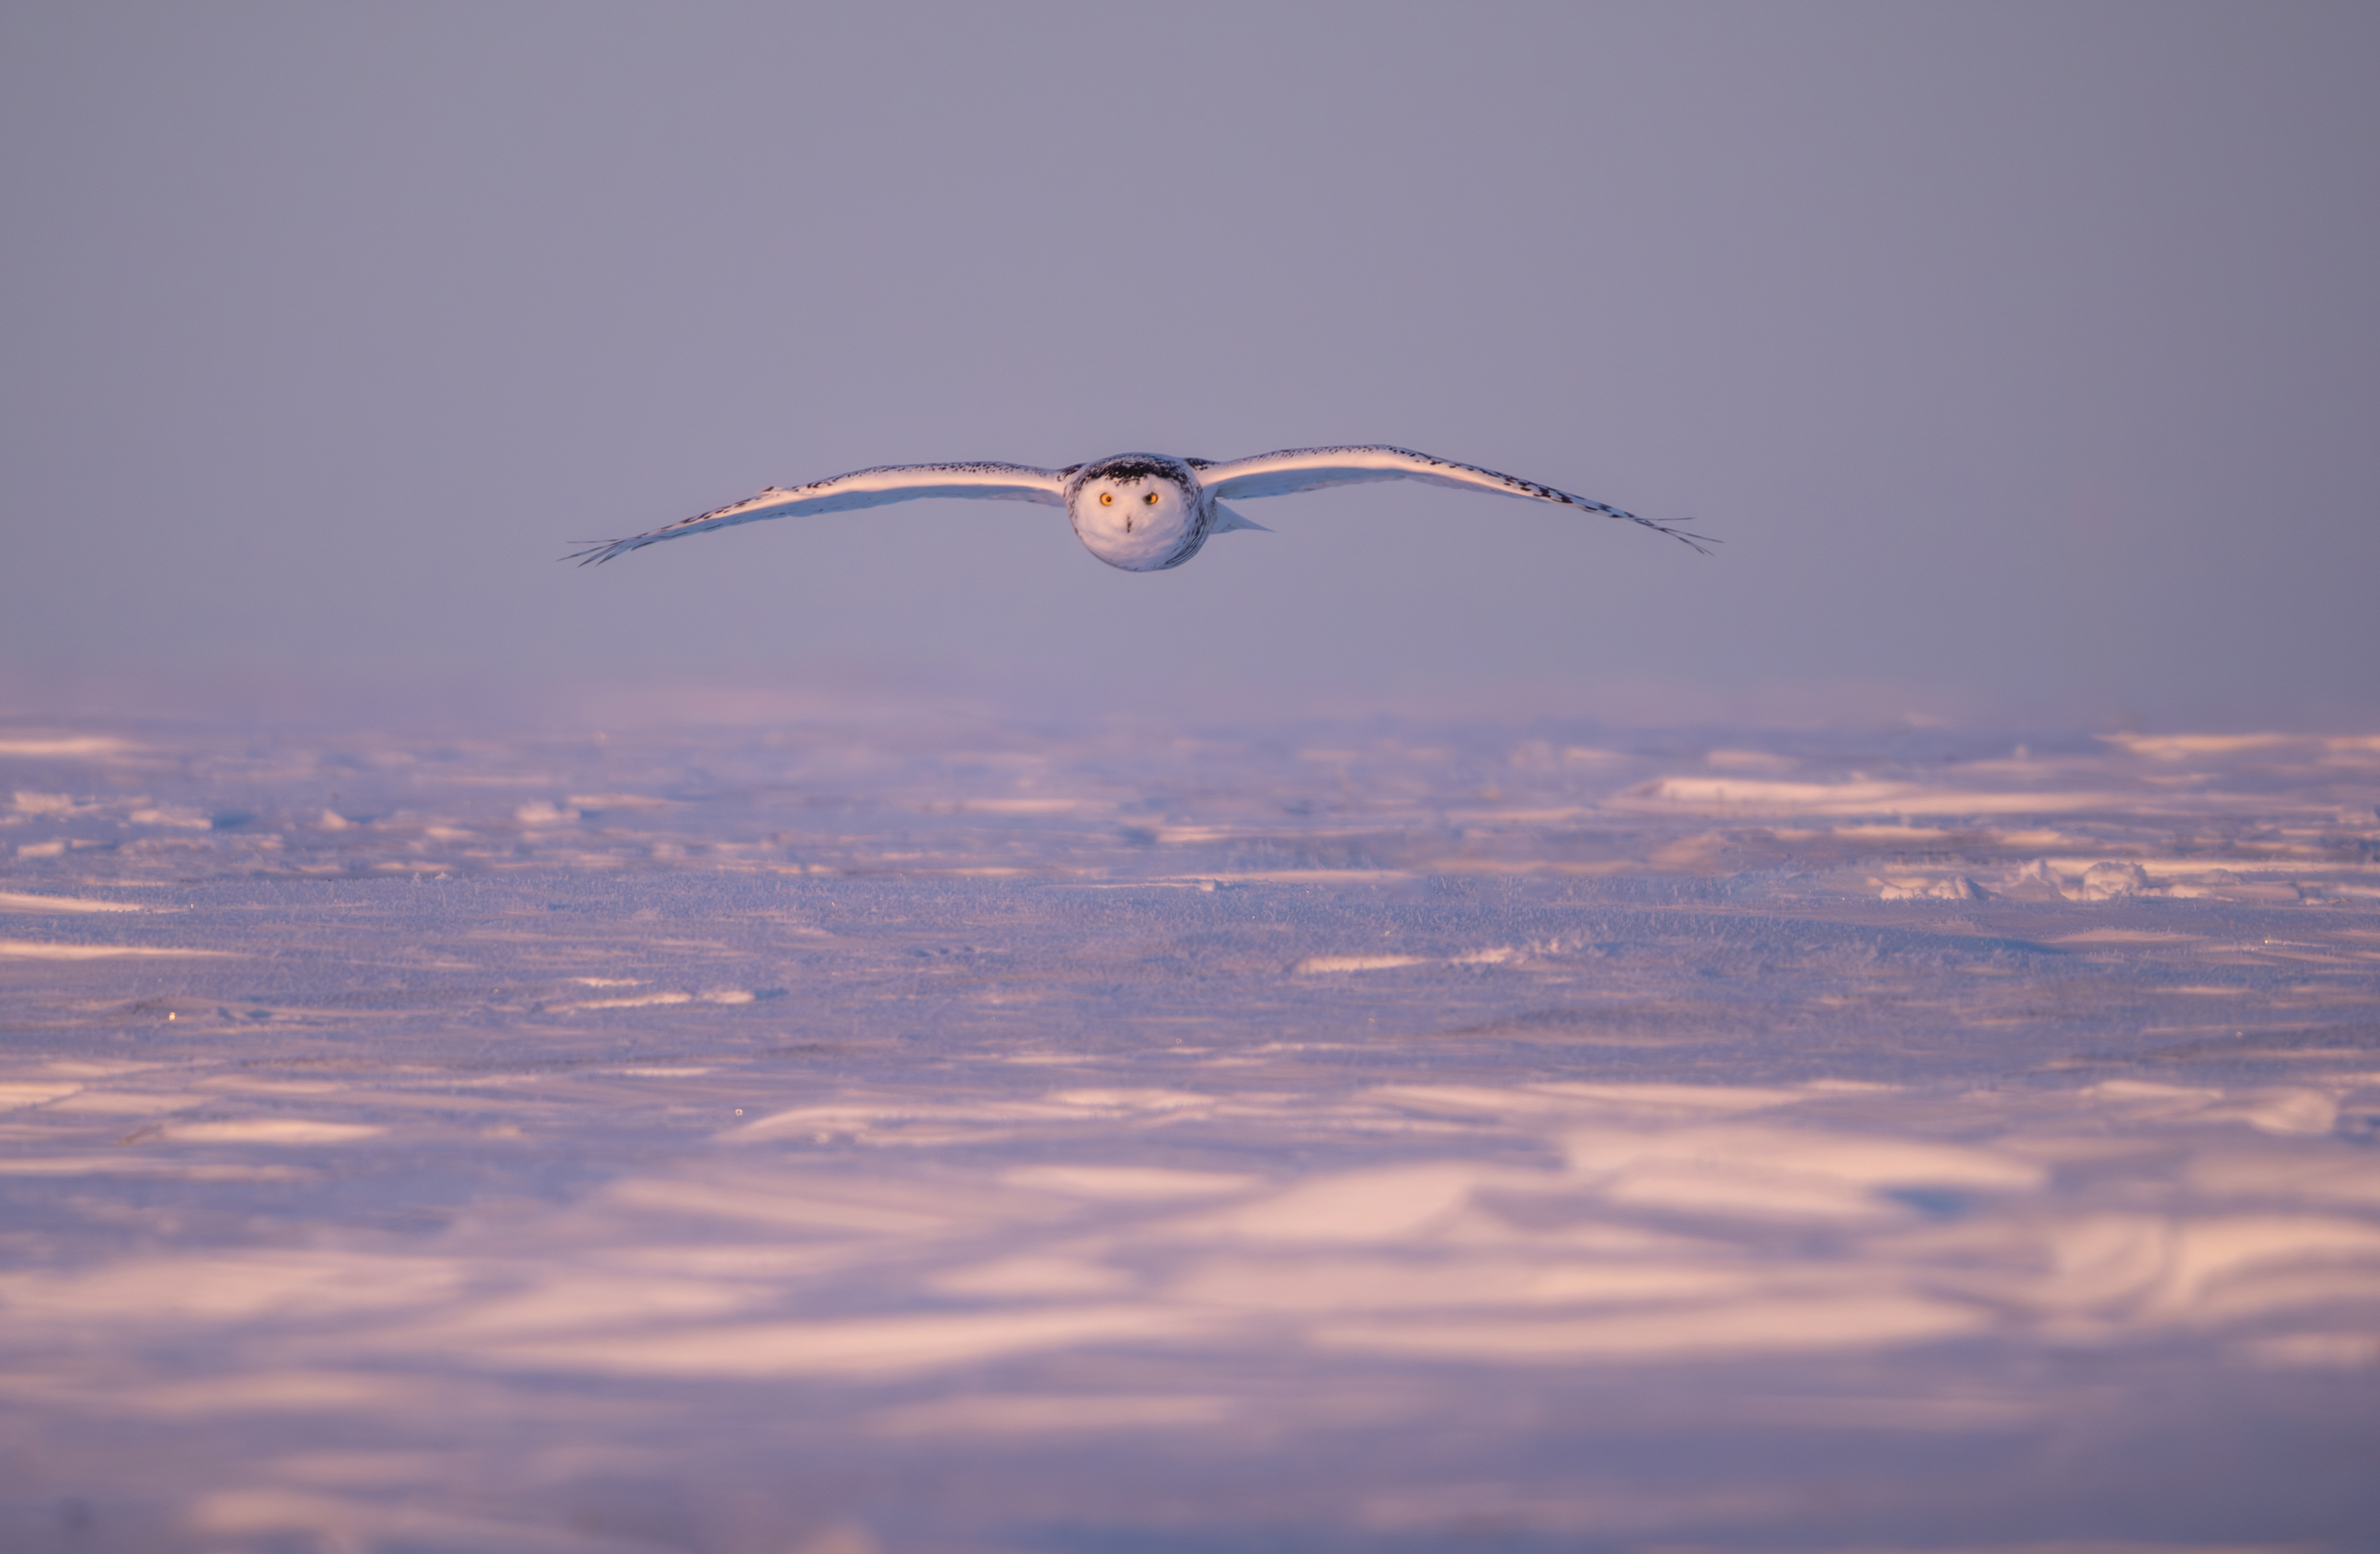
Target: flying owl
<point>1139,511</point>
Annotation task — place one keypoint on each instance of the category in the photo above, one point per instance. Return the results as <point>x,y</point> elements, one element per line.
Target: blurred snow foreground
<point>872,1137</point>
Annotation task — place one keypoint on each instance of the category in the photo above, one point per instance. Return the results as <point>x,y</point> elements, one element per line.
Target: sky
<point>2025,358</point>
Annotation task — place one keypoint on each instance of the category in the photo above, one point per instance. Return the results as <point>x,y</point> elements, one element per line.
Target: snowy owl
<point>1140,512</point>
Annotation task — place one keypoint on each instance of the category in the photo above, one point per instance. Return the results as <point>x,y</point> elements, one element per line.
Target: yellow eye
<point>1106,499</point>
<point>1151,499</point>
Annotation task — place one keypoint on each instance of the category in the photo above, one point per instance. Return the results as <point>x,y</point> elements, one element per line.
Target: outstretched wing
<point>1296,469</point>
<point>862,488</point>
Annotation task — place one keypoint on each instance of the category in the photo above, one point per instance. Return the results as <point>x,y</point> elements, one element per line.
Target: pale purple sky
<point>2027,357</point>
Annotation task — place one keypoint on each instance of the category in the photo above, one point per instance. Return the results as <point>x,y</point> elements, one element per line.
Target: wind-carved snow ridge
<point>851,1136</point>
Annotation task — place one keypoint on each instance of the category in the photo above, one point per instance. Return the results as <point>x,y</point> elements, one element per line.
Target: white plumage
<point>1140,512</point>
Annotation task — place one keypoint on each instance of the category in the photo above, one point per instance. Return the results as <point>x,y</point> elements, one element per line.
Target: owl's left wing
<point>1296,469</point>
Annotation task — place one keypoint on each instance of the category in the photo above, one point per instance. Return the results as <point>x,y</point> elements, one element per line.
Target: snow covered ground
<point>943,1135</point>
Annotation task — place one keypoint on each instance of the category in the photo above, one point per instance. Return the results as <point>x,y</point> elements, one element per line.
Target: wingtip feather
<point>1687,538</point>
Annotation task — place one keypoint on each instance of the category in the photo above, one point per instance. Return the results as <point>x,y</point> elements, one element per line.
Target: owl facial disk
<point>1140,512</point>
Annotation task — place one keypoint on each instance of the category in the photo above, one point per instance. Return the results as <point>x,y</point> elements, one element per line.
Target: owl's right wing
<point>862,488</point>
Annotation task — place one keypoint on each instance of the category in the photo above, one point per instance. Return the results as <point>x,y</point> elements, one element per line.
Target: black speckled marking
<point>1134,466</point>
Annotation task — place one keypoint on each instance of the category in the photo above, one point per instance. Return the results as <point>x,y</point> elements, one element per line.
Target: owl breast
<point>1141,512</point>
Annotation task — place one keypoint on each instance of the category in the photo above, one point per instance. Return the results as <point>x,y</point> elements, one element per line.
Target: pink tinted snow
<point>877,1136</point>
